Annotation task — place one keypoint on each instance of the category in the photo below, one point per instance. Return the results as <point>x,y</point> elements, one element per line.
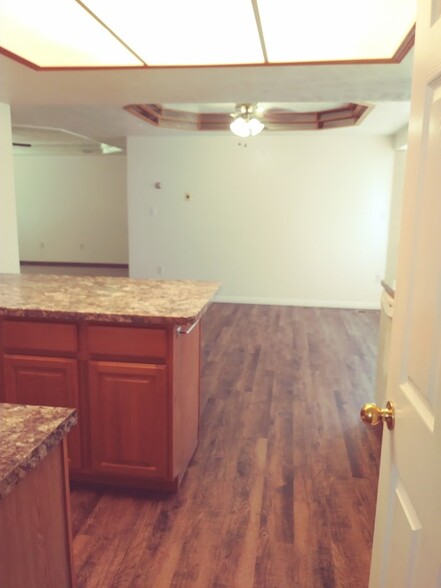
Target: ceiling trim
<point>260,30</point>
<point>346,115</point>
<point>404,48</point>
<point>103,24</point>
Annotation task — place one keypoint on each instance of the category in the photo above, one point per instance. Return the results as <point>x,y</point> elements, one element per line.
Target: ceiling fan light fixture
<point>240,127</point>
<point>245,123</point>
<point>256,126</point>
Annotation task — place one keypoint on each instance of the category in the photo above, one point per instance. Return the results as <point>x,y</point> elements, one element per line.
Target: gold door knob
<point>371,414</point>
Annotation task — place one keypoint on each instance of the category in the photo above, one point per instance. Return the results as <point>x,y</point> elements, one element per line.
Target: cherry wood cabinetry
<point>128,418</point>
<point>35,374</point>
<point>135,388</point>
<point>45,381</point>
<point>36,535</point>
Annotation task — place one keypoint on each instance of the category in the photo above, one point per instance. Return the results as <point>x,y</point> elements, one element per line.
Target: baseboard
<point>350,304</point>
<point>75,264</point>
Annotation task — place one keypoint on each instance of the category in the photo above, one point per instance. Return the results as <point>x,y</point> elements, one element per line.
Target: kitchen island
<point>35,537</point>
<point>125,354</point>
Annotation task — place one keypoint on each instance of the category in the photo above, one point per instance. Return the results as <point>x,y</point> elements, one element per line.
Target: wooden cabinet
<point>135,388</point>
<point>41,368</point>
<point>46,381</point>
<point>127,343</point>
<point>36,535</point>
<point>43,338</point>
<point>128,419</point>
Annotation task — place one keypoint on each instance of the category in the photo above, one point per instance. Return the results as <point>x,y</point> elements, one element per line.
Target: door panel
<point>46,381</point>
<point>424,323</point>
<point>406,526</point>
<point>128,419</point>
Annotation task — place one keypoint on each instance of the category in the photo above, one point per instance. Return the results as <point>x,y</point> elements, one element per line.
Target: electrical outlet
<point>159,270</point>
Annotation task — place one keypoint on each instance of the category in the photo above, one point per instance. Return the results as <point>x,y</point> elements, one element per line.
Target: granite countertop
<point>106,299</point>
<point>27,433</point>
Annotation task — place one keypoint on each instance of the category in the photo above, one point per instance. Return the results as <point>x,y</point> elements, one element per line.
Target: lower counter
<point>135,389</point>
<point>35,537</point>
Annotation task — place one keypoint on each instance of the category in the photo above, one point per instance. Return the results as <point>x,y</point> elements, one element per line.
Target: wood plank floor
<point>281,491</point>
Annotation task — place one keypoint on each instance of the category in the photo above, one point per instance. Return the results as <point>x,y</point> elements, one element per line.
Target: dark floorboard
<point>281,490</point>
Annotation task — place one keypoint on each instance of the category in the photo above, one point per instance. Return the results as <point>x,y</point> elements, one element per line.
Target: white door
<point>407,537</point>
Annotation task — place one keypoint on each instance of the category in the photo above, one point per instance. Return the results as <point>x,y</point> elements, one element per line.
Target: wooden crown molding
<point>346,115</point>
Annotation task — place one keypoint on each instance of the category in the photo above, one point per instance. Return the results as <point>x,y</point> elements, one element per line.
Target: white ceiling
<point>90,102</point>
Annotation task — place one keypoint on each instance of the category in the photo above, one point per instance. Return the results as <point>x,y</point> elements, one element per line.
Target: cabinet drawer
<point>127,342</point>
<point>27,336</point>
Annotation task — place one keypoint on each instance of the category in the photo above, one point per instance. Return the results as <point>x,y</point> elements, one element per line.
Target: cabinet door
<point>46,381</point>
<point>128,419</point>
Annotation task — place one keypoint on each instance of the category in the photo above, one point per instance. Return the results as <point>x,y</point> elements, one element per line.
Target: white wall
<point>72,208</point>
<point>400,144</point>
<point>290,219</point>
<point>395,217</point>
<point>9,259</point>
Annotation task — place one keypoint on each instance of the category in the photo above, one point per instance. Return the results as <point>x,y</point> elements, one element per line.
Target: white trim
<point>400,138</point>
<point>296,302</point>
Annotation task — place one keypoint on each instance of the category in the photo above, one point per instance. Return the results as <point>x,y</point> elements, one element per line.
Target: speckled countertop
<point>27,433</point>
<point>104,298</point>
